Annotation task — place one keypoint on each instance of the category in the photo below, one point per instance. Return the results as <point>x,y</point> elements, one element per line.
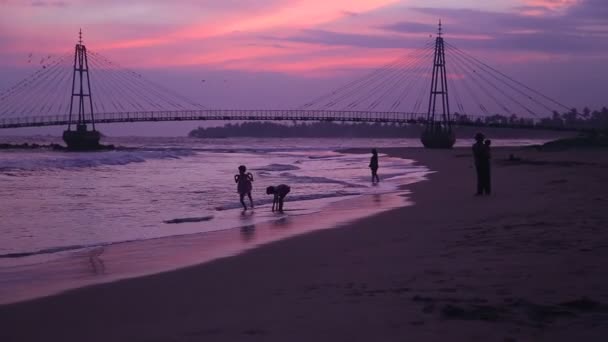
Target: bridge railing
<point>276,115</point>
<point>223,114</point>
<point>263,114</point>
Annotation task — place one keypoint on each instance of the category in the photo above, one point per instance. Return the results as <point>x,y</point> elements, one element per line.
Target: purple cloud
<point>49,4</point>
<point>324,37</point>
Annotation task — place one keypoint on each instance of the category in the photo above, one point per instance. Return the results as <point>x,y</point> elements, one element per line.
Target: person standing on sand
<point>487,182</point>
<point>481,153</point>
<point>373,165</point>
<point>244,186</point>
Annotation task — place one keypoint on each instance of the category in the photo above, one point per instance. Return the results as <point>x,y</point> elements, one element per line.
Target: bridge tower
<point>438,131</point>
<point>81,138</point>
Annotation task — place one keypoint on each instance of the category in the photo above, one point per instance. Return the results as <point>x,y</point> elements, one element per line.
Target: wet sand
<point>28,279</point>
<point>525,264</point>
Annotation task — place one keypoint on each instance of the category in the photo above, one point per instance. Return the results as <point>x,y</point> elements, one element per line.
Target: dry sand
<point>525,264</point>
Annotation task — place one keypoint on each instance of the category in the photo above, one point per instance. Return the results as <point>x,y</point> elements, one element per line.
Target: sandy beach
<point>524,264</point>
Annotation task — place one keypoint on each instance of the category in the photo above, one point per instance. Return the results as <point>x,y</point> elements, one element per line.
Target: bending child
<point>279,192</point>
<point>244,185</point>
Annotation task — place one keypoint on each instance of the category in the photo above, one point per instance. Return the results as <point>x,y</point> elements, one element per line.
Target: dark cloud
<point>49,3</point>
<point>582,28</point>
<point>350,13</point>
<point>538,39</point>
<point>410,27</point>
<point>350,39</point>
<point>532,8</point>
<point>591,10</point>
<point>276,46</point>
<point>566,32</point>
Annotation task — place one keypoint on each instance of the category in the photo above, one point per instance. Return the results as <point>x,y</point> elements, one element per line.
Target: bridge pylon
<point>438,132</point>
<point>81,138</point>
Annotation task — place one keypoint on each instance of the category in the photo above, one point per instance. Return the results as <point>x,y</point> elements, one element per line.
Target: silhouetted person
<point>487,144</point>
<point>481,153</point>
<point>279,192</point>
<point>488,175</point>
<point>244,186</point>
<point>512,157</point>
<point>373,165</point>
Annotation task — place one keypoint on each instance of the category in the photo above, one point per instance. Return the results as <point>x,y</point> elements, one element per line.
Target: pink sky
<point>210,33</point>
<point>268,43</point>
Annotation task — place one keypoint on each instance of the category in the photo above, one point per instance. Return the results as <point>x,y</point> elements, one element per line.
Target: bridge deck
<point>258,115</point>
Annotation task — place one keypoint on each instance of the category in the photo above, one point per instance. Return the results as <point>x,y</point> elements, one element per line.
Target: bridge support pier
<point>438,132</point>
<point>436,136</point>
<point>81,139</point>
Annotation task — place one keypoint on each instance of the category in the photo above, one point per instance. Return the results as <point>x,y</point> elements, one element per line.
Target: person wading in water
<point>373,165</point>
<point>244,186</point>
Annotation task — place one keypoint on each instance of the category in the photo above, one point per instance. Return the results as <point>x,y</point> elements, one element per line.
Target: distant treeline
<point>265,129</point>
<point>258,129</point>
<point>586,119</point>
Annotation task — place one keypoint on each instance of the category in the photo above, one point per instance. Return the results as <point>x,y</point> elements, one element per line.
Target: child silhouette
<point>244,186</point>
<point>279,192</point>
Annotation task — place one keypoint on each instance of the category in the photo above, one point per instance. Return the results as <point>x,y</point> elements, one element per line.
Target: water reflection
<point>282,223</point>
<point>248,232</point>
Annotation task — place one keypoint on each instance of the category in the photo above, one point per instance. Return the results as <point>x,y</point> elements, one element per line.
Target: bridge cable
<point>128,94</point>
<point>108,87</point>
<point>354,82</point>
<point>104,91</point>
<point>379,78</point>
<point>483,78</point>
<point>133,87</point>
<point>116,84</point>
<point>154,84</point>
<point>119,97</point>
<point>151,95</point>
<point>117,74</point>
<point>390,81</point>
<point>377,84</point>
<point>511,79</point>
<point>398,79</point>
<point>56,86</point>
<point>26,90</point>
<point>471,92</point>
<point>421,70</point>
<point>12,97</point>
<point>479,86</point>
<point>44,68</point>
<point>406,82</point>
<point>452,86</point>
<point>362,80</point>
<point>502,80</point>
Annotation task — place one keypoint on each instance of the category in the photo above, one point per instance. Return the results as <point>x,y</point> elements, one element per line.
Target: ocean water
<point>69,219</point>
<point>150,188</point>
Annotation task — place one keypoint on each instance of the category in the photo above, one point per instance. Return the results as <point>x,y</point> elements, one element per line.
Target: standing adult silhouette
<point>481,154</point>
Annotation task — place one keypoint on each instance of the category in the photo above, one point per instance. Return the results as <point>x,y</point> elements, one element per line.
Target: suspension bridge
<point>83,88</point>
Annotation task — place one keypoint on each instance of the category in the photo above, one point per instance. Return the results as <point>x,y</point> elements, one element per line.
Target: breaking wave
<point>70,160</point>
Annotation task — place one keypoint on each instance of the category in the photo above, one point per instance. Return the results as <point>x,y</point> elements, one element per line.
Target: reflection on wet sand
<point>377,198</point>
<point>248,233</point>
<point>138,258</point>
<point>283,222</point>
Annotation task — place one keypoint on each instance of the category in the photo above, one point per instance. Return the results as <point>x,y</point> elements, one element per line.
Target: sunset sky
<point>253,52</point>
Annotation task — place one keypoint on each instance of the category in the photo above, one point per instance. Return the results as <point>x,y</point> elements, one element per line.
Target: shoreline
<point>51,274</point>
<point>523,264</point>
